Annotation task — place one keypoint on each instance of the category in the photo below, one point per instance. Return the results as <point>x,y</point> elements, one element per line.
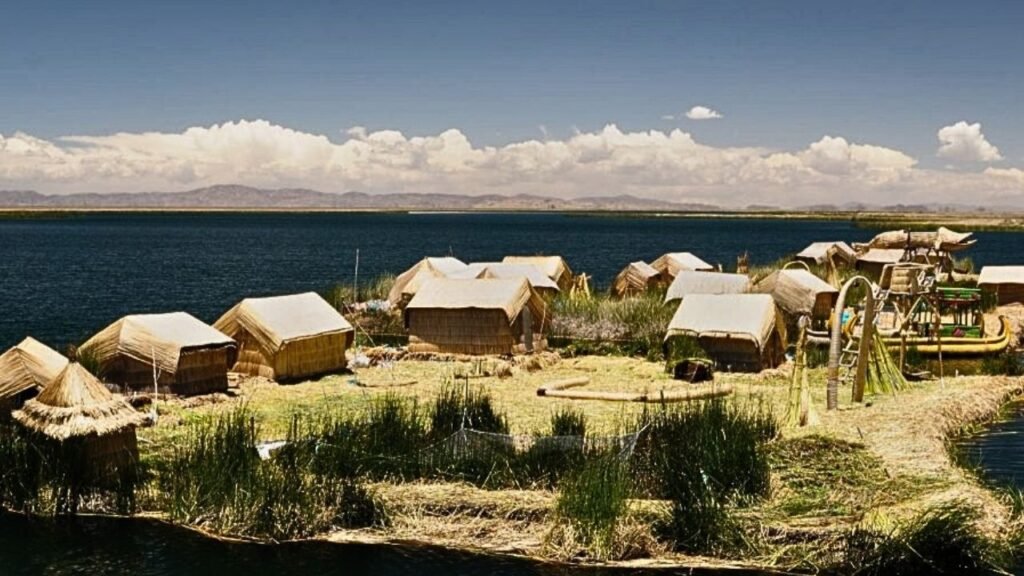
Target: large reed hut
<point>637,278</point>
<point>688,282</point>
<point>476,316</point>
<point>1005,282</point>
<point>554,267</point>
<point>96,428</point>
<point>408,283</point>
<point>539,281</point>
<point>740,332</point>
<point>671,264</point>
<point>797,293</point>
<point>820,252</point>
<point>287,337</point>
<point>190,357</point>
<point>25,370</point>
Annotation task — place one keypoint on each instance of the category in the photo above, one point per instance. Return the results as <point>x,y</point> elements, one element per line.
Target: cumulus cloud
<point>702,113</point>
<point>964,142</point>
<point>670,165</point>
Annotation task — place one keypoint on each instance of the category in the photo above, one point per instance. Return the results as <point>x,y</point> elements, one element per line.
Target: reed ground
<point>864,465</point>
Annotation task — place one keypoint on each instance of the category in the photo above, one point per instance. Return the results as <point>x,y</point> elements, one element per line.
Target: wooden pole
<point>864,348</point>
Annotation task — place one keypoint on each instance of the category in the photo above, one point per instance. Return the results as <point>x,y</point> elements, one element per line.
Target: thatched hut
<point>539,281</point>
<point>636,278</point>
<point>874,260</point>
<point>740,332</point>
<point>190,357</point>
<point>408,283</point>
<point>1005,282</point>
<point>797,293</point>
<point>79,413</point>
<point>25,370</point>
<point>688,283</point>
<point>820,252</point>
<point>287,337</point>
<point>554,267</point>
<point>477,316</point>
<point>671,264</point>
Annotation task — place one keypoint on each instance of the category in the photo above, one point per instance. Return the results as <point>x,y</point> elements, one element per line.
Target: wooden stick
<point>562,385</point>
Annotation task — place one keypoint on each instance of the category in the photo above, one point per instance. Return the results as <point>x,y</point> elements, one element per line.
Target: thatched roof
<point>554,267</point>
<point>277,320</point>
<point>636,277</point>
<point>508,295</point>
<point>795,291</point>
<point>76,404</point>
<point>745,316</point>
<point>818,251</point>
<point>537,279</point>
<point>688,282</point>
<point>30,364</point>
<point>163,337</point>
<point>675,262</point>
<point>882,255</point>
<point>942,239</point>
<point>408,283</point>
<point>992,275</point>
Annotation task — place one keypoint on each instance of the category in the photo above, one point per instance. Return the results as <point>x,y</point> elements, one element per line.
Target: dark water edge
<point>91,546</point>
<point>997,451</point>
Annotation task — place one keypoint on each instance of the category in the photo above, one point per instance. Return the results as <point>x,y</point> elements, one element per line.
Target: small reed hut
<point>554,267</point>
<point>671,264</point>
<point>688,282</point>
<point>25,370</point>
<point>818,253</point>
<point>190,357</point>
<point>539,281</point>
<point>874,260</point>
<point>1005,282</point>
<point>636,278</point>
<point>408,283</point>
<point>797,293</point>
<point>740,332</point>
<point>287,337</point>
<point>476,316</point>
<point>93,426</point>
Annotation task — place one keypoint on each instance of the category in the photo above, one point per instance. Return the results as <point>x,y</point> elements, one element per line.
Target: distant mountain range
<point>245,197</point>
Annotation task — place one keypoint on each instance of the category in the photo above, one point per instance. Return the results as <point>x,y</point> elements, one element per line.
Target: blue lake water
<point>64,278</point>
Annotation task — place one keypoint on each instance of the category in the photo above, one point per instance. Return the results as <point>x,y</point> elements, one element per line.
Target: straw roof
<point>507,295</point>
<point>76,404</point>
<point>537,279</point>
<point>408,283</point>
<point>675,262</point>
<point>277,320</point>
<point>554,267</point>
<point>942,239</point>
<point>636,277</point>
<point>159,337</point>
<point>689,282</point>
<point>30,364</point>
<point>1001,275</point>
<point>818,251</point>
<point>744,316</point>
<point>795,291</point>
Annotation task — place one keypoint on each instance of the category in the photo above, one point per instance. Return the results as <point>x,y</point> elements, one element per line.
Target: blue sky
<point>783,74</point>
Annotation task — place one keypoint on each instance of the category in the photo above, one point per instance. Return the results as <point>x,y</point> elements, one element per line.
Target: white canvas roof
<point>408,282</point>
<point>749,316</point>
<point>882,255</point>
<point>818,251</point>
<point>689,282</point>
<point>1001,275</point>
<point>501,270</point>
<point>506,294</point>
<point>795,290</point>
<point>552,266</point>
<point>279,319</point>
<point>675,262</point>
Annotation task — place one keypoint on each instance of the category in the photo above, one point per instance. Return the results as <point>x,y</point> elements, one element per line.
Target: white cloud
<point>964,142</point>
<point>668,117</point>
<point>668,165</point>
<point>702,113</point>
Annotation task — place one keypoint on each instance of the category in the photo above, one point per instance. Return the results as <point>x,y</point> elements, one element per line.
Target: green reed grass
<point>631,326</point>
<point>592,503</point>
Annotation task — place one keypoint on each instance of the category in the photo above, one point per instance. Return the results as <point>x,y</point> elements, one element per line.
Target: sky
<point>735,103</point>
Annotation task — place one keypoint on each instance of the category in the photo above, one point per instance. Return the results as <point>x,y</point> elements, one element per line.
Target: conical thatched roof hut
<point>636,278</point>
<point>478,316</point>
<point>25,370</point>
<point>77,408</point>
<point>671,264</point>
<point>539,281</point>
<point>688,283</point>
<point>554,267</point>
<point>408,283</point>
<point>798,292</point>
<point>287,337</point>
<point>191,357</point>
<point>740,332</point>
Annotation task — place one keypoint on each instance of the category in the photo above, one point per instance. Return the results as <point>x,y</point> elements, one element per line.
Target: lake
<point>66,277</point>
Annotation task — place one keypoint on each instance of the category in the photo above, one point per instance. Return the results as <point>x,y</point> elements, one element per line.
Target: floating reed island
<point>795,417</point>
